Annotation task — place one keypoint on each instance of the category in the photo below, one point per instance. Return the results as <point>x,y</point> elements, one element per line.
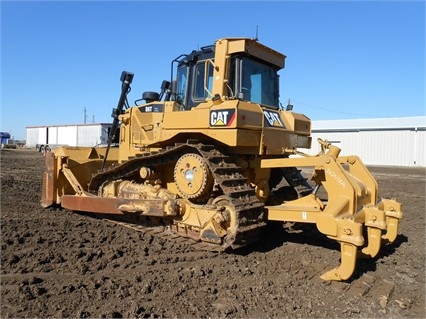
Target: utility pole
<point>85,115</point>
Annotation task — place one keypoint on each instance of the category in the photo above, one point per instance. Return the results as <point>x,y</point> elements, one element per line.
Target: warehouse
<point>71,135</point>
<point>381,141</point>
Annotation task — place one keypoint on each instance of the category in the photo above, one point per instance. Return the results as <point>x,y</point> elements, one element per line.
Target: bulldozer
<point>214,157</point>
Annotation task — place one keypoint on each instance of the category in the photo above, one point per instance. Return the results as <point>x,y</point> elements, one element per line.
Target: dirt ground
<point>57,263</point>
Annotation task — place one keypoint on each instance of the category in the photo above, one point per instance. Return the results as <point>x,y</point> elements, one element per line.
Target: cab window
<point>258,82</point>
<point>181,80</point>
<point>202,81</point>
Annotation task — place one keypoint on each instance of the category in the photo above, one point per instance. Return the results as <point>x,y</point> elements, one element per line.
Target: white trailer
<point>51,136</point>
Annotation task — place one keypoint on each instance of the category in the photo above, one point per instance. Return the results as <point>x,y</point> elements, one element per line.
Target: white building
<point>380,141</point>
<point>71,135</point>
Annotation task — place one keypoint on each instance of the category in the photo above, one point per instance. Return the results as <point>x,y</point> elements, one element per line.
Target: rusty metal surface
<point>47,195</point>
<point>148,207</point>
<point>102,205</point>
<point>91,204</point>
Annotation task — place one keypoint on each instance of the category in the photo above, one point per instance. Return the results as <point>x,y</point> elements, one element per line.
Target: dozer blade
<point>347,266</point>
<point>47,195</point>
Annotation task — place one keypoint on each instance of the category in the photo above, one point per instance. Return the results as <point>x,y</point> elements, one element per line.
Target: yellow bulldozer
<point>214,156</point>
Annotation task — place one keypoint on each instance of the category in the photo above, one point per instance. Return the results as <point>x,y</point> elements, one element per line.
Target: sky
<point>61,61</point>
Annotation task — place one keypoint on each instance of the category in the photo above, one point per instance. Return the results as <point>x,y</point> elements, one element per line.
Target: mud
<point>57,263</point>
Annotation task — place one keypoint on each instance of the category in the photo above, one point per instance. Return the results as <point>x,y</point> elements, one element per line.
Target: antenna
<point>85,115</point>
<point>257,33</point>
<point>289,106</point>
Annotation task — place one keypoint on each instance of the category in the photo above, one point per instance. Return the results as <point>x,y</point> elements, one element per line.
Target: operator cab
<point>247,78</point>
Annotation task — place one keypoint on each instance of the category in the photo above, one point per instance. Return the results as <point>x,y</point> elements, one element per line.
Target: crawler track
<point>165,232</point>
<point>228,181</point>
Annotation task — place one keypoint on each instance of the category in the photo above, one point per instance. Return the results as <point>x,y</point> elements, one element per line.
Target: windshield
<point>259,82</point>
<point>181,84</point>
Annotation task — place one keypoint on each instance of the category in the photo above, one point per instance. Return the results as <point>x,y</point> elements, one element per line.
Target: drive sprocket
<point>193,177</point>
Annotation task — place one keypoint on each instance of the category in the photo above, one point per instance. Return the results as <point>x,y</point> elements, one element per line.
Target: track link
<point>229,178</point>
<point>296,180</point>
<point>229,181</point>
<point>162,231</point>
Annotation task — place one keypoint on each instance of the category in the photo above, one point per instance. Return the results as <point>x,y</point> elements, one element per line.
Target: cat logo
<point>273,119</point>
<point>222,117</point>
